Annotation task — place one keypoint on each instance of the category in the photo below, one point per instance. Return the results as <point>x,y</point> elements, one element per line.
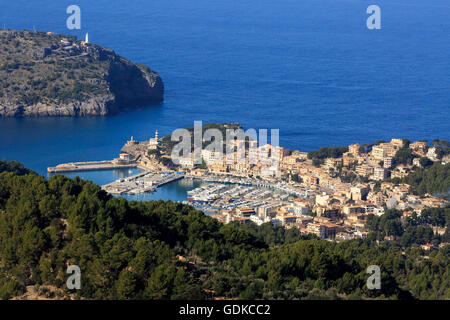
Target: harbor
<point>255,184</point>
<point>226,194</point>
<point>220,195</point>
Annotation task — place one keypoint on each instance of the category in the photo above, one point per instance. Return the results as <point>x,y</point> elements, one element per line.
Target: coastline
<point>308,191</point>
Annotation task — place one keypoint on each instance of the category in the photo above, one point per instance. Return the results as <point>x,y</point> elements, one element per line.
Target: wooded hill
<point>46,74</point>
<point>166,250</point>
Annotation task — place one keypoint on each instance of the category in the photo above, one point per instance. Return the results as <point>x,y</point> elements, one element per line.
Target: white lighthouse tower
<point>86,40</point>
<point>153,142</point>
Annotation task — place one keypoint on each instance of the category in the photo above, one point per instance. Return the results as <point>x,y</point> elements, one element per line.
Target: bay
<point>309,68</point>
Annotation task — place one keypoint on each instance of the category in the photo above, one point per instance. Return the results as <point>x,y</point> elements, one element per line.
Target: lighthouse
<point>86,40</point>
<point>153,142</point>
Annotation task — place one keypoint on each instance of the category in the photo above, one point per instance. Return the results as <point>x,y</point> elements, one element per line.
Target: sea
<point>310,68</point>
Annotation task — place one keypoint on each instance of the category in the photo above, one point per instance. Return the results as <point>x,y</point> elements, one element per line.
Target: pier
<point>146,181</point>
<point>90,166</point>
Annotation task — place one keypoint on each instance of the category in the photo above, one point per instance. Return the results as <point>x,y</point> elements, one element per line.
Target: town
<point>328,193</point>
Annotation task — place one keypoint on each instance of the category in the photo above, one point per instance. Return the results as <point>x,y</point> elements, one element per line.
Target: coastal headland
<point>47,74</point>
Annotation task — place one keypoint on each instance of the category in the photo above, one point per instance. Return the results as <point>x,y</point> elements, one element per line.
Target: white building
<point>432,154</point>
<point>212,158</point>
<point>380,174</point>
<point>186,162</point>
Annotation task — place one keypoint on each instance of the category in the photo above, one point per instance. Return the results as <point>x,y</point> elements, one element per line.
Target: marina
<point>147,181</point>
<point>284,187</point>
<point>227,194</point>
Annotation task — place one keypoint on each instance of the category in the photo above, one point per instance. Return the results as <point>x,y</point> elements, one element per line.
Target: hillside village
<point>329,193</point>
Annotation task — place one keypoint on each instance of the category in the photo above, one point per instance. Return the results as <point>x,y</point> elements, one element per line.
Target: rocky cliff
<point>45,74</point>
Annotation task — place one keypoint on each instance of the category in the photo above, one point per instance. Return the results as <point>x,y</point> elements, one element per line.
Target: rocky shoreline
<point>95,106</point>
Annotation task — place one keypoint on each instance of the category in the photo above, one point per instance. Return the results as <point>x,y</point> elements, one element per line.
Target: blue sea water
<point>102,177</point>
<point>310,68</point>
<point>175,191</point>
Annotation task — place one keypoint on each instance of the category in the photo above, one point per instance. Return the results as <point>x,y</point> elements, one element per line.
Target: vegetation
<point>53,69</point>
<point>274,236</point>
<point>433,180</point>
<point>13,166</point>
<point>166,144</point>
<point>367,147</point>
<point>425,162</point>
<point>166,250</point>
<point>442,148</point>
<point>296,178</point>
<point>35,67</point>
<point>403,156</point>
<point>412,230</point>
<point>327,152</point>
<point>318,157</point>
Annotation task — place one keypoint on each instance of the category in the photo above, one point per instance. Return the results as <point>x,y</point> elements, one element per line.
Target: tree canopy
<point>433,180</point>
<point>167,250</point>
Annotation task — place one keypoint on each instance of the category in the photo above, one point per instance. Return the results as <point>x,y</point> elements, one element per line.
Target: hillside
<point>432,180</point>
<point>166,144</point>
<point>45,74</point>
<point>166,250</point>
